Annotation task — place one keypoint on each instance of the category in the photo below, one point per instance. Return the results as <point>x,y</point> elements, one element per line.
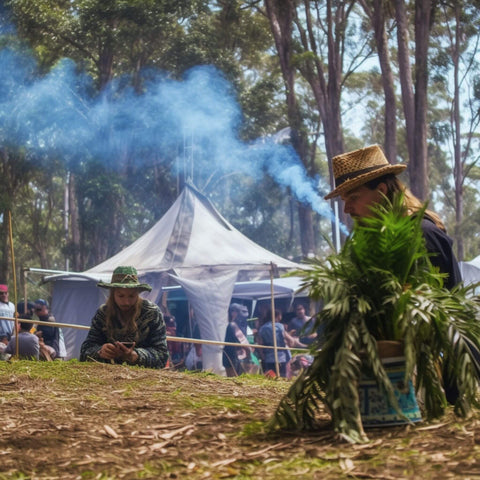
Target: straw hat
<point>353,169</point>
<point>125,277</point>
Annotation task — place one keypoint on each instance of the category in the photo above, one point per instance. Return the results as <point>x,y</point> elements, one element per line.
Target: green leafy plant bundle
<point>383,286</point>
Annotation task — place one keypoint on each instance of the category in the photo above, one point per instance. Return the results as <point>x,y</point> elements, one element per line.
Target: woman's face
<point>125,298</point>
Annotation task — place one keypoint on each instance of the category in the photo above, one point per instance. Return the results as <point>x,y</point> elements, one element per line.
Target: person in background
<point>127,328</point>
<point>235,359</point>
<point>3,345</point>
<point>283,339</point>
<point>301,326</point>
<point>28,309</point>
<point>28,343</point>
<point>175,349</point>
<point>49,335</point>
<point>193,359</point>
<point>7,309</point>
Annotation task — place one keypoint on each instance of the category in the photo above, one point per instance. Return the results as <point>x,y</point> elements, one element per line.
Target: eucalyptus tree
<point>324,43</point>
<point>455,48</point>
<point>380,14</point>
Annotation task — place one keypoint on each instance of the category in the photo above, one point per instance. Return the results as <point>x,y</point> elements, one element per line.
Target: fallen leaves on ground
<point>81,421</point>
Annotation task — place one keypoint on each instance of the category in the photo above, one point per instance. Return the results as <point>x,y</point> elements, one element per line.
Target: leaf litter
<point>68,420</point>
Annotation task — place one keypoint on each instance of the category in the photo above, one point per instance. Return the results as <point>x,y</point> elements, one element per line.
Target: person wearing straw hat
<point>127,328</point>
<point>365,177</point>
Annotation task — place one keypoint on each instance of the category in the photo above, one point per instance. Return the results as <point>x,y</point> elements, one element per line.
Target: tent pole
<point>274,330</point>
<point>25,297</point>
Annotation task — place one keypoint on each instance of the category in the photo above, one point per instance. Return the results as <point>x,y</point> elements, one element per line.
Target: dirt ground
<point>67,420</point>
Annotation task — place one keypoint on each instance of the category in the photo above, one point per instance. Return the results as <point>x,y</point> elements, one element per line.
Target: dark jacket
<point>150,344</point>
<point>440,245</point>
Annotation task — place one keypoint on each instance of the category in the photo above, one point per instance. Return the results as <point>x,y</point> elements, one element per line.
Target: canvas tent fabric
<point>192,242</point>
<point>470,271</point>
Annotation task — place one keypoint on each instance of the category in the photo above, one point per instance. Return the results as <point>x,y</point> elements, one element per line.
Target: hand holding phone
<point>127,344</point>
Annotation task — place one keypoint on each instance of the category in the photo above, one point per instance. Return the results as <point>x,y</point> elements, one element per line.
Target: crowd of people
<point>271,349</point>
<point>36,340</point>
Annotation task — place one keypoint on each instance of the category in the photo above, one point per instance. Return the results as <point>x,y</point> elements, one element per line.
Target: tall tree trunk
<point>415,99</point>
<point>377,15</point>
<point>74,227</point>
<point>5,239</point>
<point>458,173</point>
<point>326,85</point>
<point>419,162</point>
<point>406,78</point>
<point>281,14</point>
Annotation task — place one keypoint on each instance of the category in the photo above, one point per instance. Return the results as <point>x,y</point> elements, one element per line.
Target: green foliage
<point>382,286</point>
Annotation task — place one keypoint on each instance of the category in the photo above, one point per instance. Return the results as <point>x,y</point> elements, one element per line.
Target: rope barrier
<point>169,338</point>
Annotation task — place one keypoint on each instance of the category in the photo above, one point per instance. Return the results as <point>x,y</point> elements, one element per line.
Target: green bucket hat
<point>125,277</point>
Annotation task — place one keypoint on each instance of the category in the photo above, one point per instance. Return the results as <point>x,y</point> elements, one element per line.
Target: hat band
<point>124,278</point>
<point>350,176</point>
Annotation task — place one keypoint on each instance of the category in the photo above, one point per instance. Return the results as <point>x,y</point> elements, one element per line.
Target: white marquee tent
<point>191,243</point>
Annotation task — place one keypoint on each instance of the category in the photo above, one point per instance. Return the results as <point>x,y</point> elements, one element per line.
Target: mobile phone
<point>128,344</point>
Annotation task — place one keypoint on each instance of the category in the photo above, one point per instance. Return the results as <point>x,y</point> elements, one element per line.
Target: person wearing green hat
<point>128,328</point>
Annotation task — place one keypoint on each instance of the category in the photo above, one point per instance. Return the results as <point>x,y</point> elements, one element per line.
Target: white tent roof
<point>193,235</point>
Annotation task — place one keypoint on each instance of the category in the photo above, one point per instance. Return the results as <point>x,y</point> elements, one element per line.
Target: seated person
<point>28,344</point>
<point>4,337</point>
<point>127,328</point>
<point>49,335</point>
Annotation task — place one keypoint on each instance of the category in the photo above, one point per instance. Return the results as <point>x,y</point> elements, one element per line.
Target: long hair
<point>112,313</point>
<point>413,204</point>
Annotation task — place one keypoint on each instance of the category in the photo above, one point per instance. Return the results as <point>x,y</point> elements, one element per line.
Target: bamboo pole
<point>274,330</point>
<point>12,255</point>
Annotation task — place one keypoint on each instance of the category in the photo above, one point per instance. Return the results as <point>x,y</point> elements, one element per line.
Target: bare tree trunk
<point>458,173</point>
<point>306,226</point>
<point>281,14</point>
<point>326,85</point>
<point>419,162</point>
<point>377,15</point>
<point>5,269</point>
<point>415,99</point>
<point>406,82</point>
<point>74,227</point>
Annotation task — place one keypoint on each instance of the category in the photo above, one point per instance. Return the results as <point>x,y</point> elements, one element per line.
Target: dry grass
<point>93,421</point>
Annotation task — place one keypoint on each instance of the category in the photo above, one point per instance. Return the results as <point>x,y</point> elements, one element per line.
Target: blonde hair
<point>112,312</point>
<point>412,203</point>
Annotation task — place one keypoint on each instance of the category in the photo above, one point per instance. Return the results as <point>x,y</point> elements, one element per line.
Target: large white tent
<point>193,244</point>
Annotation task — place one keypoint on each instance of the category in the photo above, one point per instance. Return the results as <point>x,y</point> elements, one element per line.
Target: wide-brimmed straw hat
<point>125,277</point>
<point>353,169</point>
